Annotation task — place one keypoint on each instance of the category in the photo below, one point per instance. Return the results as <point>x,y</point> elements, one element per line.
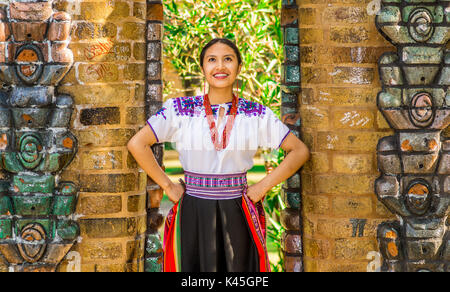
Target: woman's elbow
<point>307,152</point>
<point>304,150</point>
<point>137,143</point>
<point>132,144</point>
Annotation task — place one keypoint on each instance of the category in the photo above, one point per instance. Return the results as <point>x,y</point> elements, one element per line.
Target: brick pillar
<point>290,84</point>
<point>107,83</point>
<point>153,102</point>
<point>340,47</point>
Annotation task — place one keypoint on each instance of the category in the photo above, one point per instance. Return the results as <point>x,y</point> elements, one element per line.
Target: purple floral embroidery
<point>161,112</point>
<point>192,106</point>
<point>187,105</point>
<point>215,107</point>
<point>251,108</point>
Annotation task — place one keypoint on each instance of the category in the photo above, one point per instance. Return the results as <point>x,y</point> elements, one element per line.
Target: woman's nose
<point>220,64</point>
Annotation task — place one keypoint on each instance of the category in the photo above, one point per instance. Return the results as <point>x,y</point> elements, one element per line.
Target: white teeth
<point>221,75</point>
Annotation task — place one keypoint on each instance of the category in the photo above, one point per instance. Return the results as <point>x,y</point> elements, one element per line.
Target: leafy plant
<point>273,204</point>
<point>253,25</point>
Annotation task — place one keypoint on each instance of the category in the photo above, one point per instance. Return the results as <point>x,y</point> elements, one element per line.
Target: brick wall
<point>340,47</point>
<point>107,84</point>
<point>341,124</point>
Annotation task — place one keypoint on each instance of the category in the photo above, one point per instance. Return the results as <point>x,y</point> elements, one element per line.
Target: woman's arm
<point>139,147</point>
<point>297,155</point>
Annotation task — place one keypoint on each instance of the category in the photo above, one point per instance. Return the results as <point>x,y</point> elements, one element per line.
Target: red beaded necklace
<point>212,124</point>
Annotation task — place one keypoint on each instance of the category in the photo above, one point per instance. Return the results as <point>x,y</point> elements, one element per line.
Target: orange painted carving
<point>26,118</point>
<point>418,189</point>
<point>406,146</point>
<point>391,235</point>
<point>432,145</point>
<point>3,142</point>
<point>68,143</point>
<point>27,56</point>
<point>392,249</point>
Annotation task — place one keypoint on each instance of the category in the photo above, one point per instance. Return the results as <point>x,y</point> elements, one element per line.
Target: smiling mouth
<point>220,76</point>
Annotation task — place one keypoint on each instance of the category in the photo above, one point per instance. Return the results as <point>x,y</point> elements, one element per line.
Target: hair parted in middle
<point>223,41</point>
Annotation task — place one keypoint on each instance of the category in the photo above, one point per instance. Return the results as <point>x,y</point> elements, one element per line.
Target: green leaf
<point>275,224</point>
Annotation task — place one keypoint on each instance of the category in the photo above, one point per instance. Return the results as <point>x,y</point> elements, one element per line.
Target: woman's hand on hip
<point>175,191</point>
<point>256,192</point>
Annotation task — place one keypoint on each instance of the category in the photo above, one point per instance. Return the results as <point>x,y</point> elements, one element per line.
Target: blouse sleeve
<point>163,122</point>
<point>272,131</point>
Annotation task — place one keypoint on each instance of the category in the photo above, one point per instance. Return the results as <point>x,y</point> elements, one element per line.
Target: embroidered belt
<point>215,186</point>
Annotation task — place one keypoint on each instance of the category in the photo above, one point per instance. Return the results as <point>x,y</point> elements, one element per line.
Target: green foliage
<point>273,204</point>
<point>253,25</point>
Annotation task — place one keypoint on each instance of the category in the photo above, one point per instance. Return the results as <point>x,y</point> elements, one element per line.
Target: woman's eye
<point>211,59</point>
<point>228,59</point>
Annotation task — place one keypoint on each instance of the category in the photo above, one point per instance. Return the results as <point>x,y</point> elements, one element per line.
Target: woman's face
<point>220,66</point>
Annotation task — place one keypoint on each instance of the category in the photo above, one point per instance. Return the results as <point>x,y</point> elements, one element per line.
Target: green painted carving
<point>153,264</point>
<point>291,243</point>
<point>5,229</point>
<point>36,210</point>
<point>415,162</point>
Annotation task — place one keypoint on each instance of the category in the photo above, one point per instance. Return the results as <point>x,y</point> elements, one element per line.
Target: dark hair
<point>223,41</point>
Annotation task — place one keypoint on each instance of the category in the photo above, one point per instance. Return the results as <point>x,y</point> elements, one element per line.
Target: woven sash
<point>215,186</point>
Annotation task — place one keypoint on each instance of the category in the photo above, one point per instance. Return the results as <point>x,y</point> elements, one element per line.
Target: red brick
<point>39,11</point>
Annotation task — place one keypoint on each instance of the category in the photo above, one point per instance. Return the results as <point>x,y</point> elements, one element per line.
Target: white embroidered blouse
<point>182,121</point>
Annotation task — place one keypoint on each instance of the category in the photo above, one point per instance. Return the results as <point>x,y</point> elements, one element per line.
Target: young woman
<point>217,222</point>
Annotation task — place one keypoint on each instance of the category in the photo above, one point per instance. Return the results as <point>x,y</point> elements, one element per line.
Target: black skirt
<point>215,237</point>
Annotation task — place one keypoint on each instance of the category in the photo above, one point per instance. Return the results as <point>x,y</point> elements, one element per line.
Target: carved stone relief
<point>415,161</point>
<point>37,227</point>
